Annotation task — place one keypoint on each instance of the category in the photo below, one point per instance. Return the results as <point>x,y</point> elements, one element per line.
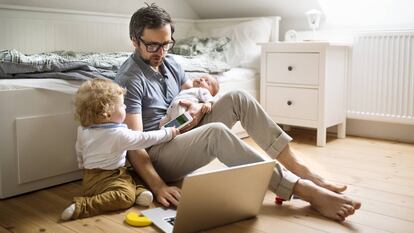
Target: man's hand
<point>206,108</point>
<point>194,109</point>
<point>167,195</point>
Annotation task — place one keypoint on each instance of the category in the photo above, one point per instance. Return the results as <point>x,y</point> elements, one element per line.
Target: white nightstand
<point>304,84</point>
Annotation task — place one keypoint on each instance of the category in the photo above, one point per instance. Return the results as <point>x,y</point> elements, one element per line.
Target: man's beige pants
<point>105,190</point>
<point>213,139</point>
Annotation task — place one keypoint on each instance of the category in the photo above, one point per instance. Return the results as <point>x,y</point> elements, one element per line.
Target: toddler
<point>101,146</point>
<point>203,91</point>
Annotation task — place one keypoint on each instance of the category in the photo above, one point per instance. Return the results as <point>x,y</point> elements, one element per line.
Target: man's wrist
<point>157,187</point>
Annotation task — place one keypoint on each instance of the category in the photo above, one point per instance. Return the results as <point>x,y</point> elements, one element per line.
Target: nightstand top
<point>315,43</point>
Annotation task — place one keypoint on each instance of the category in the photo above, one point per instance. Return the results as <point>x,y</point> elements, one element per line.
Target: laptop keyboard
<point>170,220</point>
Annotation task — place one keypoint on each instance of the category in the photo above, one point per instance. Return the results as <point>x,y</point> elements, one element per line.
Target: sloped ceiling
<point>334,12</point>
<point>248,8</point>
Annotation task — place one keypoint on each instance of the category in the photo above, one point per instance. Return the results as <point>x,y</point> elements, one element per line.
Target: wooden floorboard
<point>4,230</point>
<point>378,173</point>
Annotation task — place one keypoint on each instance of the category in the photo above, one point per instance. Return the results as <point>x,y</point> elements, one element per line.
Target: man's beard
<point>154,60</point>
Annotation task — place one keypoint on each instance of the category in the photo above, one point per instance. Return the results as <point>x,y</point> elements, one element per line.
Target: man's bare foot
<point>294,164</point>
<point>337,188</point>
<point>329,204</point>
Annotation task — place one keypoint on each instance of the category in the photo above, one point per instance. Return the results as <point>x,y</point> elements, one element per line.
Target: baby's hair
<point>216,86</point>
<point>95,100</point>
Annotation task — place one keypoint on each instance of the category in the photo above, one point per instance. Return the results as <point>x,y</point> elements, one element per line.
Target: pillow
<point>200,64</point>
<point>243,50</point>
<point>209,46</point>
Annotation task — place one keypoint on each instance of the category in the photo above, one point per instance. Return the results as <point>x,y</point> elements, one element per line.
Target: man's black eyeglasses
<point>153,47</point>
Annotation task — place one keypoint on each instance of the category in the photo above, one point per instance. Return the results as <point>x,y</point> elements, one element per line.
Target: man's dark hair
<point>151,16</point>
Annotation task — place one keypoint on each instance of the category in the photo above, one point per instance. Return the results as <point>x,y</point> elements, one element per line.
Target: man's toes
<point>350,209</point>
<point>346,212</point>
<point>357,205</point>
<point>340,216</point>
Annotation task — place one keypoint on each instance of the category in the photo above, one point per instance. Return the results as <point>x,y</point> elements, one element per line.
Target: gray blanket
<point>204,56</point>
<point>60,64</point>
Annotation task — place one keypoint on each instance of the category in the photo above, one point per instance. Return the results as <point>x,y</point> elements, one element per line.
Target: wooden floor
<point>378,173</point>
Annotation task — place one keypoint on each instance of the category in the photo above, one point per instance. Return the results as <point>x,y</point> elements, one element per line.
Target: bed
<point>37,128</point>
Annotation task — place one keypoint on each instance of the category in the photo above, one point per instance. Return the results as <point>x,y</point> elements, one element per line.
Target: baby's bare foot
<point>329,204</point>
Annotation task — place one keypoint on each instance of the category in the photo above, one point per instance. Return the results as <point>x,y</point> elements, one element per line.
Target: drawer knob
<point>290,68</point>
<point>289,102</point>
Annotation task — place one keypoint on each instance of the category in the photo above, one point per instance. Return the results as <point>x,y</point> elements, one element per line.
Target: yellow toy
<point>133,219</point>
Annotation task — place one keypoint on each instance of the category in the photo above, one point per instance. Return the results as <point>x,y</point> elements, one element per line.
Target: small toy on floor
<point>136,220</point>
<point>279,200</point>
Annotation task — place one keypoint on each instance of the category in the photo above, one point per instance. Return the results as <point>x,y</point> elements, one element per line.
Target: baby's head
<point>208,82</point>
<point>99,101</point>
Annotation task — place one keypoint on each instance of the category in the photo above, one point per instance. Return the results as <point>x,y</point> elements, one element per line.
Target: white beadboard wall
<point>35,30</point>
<point>176,8</point>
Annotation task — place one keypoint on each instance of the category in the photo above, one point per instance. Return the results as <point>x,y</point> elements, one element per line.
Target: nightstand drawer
<point>293,68</point>
<point>299,103</point>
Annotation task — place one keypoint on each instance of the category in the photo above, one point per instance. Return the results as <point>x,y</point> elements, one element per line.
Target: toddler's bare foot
<point>329,204</point>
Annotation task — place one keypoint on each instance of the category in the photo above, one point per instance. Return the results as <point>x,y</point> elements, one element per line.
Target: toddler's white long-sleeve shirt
<point>104,146</point>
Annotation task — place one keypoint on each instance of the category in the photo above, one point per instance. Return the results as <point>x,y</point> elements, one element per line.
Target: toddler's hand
<point>206,108</point>
<point>174,132</point>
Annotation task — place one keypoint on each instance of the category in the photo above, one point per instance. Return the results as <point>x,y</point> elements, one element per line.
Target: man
<point>152,79</point>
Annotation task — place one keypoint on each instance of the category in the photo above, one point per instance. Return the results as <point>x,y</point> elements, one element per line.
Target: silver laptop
<point>216,198</point>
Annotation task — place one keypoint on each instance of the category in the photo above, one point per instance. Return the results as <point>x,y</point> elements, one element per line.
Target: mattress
<point>234,79</point>
<point>59,85</point>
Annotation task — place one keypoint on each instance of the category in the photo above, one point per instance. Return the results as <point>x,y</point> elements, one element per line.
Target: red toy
<point>279,200</point>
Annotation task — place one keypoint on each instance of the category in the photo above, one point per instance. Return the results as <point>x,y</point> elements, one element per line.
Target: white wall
<point>177,8</point>
<point>341,19</point>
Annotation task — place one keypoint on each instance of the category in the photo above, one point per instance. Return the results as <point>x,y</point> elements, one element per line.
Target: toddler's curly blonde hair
<point>95,100</point>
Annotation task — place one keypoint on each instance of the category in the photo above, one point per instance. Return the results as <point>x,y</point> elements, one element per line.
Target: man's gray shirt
<point>149,93</point>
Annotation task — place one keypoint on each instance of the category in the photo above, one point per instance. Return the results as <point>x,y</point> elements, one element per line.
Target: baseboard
<point>380,130</point>
<point>370,129</point>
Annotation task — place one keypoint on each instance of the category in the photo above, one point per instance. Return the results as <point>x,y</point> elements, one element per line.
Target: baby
<point>203,91</point>
<point>101,146</point>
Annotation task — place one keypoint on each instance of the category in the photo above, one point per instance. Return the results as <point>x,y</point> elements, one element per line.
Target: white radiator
<point>381,85</point>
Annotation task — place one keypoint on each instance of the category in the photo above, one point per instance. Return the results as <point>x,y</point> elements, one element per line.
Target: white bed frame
<point>38,132</point>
